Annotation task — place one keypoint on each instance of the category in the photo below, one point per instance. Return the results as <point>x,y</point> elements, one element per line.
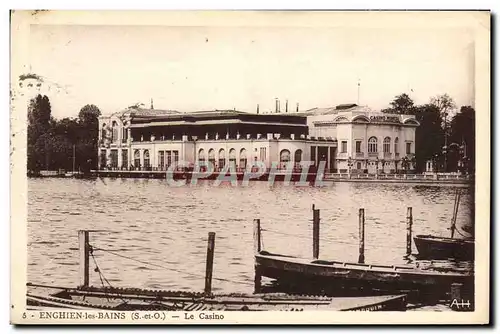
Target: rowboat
<point>41,297</point>
<point>436,247</point>
<point>332,276</point>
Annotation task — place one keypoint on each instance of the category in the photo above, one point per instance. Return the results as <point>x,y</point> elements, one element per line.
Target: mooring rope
<point>170,269</point>
<point>101,275</point>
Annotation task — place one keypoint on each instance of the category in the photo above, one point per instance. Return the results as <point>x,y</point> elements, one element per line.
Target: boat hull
<point>432,247</point>
<point>332,277</point>
<point>43,297</point>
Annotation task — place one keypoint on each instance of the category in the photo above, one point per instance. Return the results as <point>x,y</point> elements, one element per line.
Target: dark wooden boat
<point>434,247</point>
<point>322,275</point>
<point>43,297</point>
<point>437,247</point>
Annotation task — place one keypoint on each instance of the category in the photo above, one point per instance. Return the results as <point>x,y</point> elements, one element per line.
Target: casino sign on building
<point>152,139</point>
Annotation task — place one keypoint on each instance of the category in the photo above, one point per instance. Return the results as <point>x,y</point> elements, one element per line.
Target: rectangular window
<point>408,148</point>
<point>358,146</point>
<point>169,158</point>
<point>124,158</point>
<point>114,158</point>
<point>161,159</point>
<point>176,156</point>
<point>313,154</point>
<point>344,146</point>
<point>263,153</point>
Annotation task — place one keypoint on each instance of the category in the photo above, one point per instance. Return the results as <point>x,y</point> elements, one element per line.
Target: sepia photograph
<point>192,167</point>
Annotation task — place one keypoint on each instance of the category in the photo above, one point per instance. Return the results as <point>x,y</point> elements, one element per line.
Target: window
<point>284,158</point>
<point>211,158</point>
<point>408,148</point>
<point>146,158</point>
<point>396,143</point>
<point>169,158</point>
<point>114,158</point>
<point>263,153</point>
<point>201,155</point>
<point>387,145</point>
<point>372,145</point>
<point>176,157</point>
<point>358,165</point>
<point>298,156</point>
<point>222,158</point>
<point>124,158</point>
<point>232,158</point>
<point>243,158</point>
<point>161,159</point>
<point>103,158</point>
<point>103,132</point>
<point>344,147</point>
<point>114,133</point>
<point>358,146</point>
<point>137,158</point>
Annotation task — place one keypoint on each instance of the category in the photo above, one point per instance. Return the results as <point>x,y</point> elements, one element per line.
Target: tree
<point>402,104</point>
<point>39,124</point>
<point>429,135</point>
<point>462,132</point>
<point>88,134</point>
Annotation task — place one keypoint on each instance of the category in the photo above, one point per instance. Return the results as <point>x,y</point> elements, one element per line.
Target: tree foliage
<point>430,135</point>
<point>51,142</point>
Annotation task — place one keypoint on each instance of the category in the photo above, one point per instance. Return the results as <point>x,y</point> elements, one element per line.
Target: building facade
<point>346,139</point>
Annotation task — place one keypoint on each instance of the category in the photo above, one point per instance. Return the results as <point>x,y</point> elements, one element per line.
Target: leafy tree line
<point>445,136</point>
<point>51,142</point>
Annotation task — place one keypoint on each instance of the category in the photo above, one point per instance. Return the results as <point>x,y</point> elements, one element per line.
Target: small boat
<point>43,297</point>
<point>437,247</point>
<point>434,247</point>
<point>323,275</point>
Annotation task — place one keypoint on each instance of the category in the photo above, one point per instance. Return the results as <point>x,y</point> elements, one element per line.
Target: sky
<point>208,67</point>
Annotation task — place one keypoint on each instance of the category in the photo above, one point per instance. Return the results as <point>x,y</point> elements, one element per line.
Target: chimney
<point>152,104</point>
<point>286,106</point>
<point>276,107</point>
<point>257,108</point>
<point>279,106</point>
<point>297,107</point>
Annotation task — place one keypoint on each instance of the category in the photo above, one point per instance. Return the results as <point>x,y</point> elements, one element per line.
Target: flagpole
<point>359,85</point>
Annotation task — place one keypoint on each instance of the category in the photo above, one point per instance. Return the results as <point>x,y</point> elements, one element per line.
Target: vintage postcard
<point>191,167</point>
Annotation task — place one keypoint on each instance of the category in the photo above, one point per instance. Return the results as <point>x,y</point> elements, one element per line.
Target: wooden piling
<point>256,236</point>
<point>409,223</point>
<point>316,233</point>
<point>84,250</point>
<point>210,263</point>
<point>257,249</point>
<point>456,292</point>
<point>361,258</point>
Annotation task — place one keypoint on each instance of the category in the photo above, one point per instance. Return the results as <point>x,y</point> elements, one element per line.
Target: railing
<point>373,154</point>
<point>360,154</point>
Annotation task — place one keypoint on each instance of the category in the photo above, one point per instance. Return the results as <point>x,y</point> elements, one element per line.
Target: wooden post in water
<point>257,249</point>
<point>361,258</point>
<point>409,223</point>
<point>315,233</point>
<point>84,250</point>
<point>210,263</point>
<point>256,236</point>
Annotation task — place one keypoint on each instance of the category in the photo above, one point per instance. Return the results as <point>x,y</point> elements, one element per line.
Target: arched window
<point>387,145</point>
<point>146,158</point>
<point>372,145</point>
<point>396,144</point>
<point>201,155</point>
<point>232,158</point>
<point>284,158</point>
<point>137,158</point>
<point>222,158</point>
<point>211,157</point>
<point>298,156</point>
<point>114,133</point>
<point>243,158</point>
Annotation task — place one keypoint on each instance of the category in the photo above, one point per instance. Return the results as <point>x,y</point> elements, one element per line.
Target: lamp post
<point>405,164</point>
<point>445,147</point>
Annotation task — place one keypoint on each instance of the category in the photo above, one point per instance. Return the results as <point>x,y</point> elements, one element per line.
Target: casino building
<point>348,138</point>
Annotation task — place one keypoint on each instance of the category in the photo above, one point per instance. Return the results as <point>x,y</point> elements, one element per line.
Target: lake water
<point>166,227</point>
